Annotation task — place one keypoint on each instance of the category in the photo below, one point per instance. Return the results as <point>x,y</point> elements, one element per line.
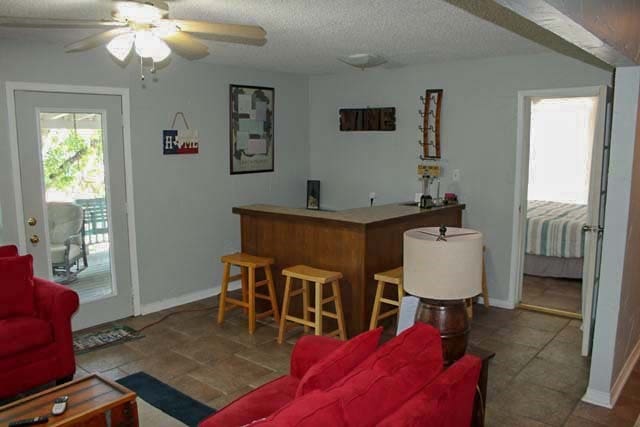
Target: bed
<point>554,239</point>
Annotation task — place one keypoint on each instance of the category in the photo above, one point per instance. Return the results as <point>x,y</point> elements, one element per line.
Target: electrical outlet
<point>372,196</point>
<point>455,176</point>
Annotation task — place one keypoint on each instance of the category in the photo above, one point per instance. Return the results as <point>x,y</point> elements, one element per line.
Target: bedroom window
<point>561,142</point>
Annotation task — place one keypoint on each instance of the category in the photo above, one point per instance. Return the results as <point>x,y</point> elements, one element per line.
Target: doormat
<point>172,402</point>
<point>83,343</point>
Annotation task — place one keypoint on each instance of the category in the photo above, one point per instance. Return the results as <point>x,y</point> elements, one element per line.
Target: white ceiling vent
<point>363,60</point>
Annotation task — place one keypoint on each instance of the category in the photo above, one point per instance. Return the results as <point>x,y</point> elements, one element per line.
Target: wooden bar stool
<point>485,290</point>
<point>320,277</point>
<point>392,277</point>
<point>248,265</point>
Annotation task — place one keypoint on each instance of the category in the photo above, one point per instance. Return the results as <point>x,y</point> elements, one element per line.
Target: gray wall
<point>629,318</point>
<point>478,137</point>
<point>183,203</point>
<point>617,328</point>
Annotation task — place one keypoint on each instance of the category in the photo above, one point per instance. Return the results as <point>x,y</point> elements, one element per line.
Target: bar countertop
<point>358,216</point>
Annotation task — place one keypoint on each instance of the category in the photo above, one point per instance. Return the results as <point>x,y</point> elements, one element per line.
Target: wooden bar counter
<point>357,242</point>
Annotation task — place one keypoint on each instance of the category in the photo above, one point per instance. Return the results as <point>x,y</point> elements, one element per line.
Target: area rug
<point>167,399</point>
<point>98,339</point>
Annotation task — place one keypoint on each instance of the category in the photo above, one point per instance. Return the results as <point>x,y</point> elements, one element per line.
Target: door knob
<point>34,239</point>
<point>32,221</point>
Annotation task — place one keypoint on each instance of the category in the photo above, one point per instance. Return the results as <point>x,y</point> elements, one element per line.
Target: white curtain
<point>561,142</point>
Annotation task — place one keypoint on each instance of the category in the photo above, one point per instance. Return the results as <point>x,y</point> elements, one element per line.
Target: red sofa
<point>36,345</point>
<point>333,383</point>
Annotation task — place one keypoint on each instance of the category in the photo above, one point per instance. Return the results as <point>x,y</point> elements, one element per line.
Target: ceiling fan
<point>145,26</point>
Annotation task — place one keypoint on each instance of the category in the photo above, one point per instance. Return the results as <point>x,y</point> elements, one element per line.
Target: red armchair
<point>35,349</point>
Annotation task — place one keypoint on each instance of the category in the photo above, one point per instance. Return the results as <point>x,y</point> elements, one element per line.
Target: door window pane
<point>76,196</point>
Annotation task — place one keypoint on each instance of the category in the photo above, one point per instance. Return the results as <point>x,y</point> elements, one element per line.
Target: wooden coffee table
<point>93,402</point>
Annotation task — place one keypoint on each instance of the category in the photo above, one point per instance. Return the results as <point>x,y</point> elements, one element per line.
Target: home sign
<point>180,141</point>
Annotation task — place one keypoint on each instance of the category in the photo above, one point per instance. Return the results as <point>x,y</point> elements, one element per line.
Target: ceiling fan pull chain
<point>141,69</point>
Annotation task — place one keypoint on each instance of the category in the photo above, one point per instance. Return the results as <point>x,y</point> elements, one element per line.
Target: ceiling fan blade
<point>253,32</point>
<point>186,46</point>
<point>10,21</point>
<point>230,39</point>
<point>95,40</point>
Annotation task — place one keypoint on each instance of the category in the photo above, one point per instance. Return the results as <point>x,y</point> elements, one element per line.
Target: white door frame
<point>522,177</point>
<point>11,87</point>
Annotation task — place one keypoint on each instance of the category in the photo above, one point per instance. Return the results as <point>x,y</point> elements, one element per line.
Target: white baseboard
<point>500,303</point>
<point>625,372</point>
<point>186,298</point>
<point>598,398</point>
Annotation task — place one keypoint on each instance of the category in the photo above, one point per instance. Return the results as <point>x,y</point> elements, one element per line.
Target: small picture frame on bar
<point>313,194</point>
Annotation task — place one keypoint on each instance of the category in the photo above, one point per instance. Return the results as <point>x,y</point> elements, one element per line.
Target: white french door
<point>595,221</point>
<point>73,188</point>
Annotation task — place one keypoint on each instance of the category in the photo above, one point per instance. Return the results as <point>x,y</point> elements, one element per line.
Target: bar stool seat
<point>248,265</point>
<point>320,277</point>
<point>391,277</point>
<point>246,260</point>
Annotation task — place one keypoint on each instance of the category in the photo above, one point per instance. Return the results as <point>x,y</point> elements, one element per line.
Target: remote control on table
<point>59,405</point>
<point>29,421</point>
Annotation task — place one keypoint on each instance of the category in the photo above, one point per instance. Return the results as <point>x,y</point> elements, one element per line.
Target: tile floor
<point>536,378</point>
<point>561,294</point>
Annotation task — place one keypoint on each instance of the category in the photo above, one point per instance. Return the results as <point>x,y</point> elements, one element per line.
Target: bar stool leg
<point>252,300</point>
<point>318,309</point>
<point>272,293</point>
<point>223,292</point>
<point>376,305</point>
<point>305,304</point>
<point>285,310</point>
<point>485,290</point>
<point>245,286</point>
<point>339,312</point>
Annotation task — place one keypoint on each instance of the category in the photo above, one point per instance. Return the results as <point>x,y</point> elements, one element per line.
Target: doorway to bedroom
<point>560,150</point>
<point>563,143</point>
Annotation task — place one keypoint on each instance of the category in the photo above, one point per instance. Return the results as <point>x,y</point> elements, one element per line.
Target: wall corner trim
<point>500,303</point>
<point>186,298</point>
<point>625,372</point>
<point>598,398</point>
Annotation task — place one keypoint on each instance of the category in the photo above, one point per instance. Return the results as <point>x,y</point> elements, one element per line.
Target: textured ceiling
<point>306,36</point>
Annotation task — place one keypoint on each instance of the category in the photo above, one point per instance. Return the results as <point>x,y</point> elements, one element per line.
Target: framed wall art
<point>313,194</point>
<point>251,139</point>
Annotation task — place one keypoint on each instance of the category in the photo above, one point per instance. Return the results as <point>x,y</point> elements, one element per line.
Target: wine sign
<point>367,119</point>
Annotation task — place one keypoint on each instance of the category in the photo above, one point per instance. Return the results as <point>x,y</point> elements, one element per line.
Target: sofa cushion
<point>8,251</point>
<point>314,409</point>
<point>339,363</point>
<point>373,390</point>
<point>447,401</point>
<point>19,334</point>
<point>391,375</point>
<point>257,404</point>
<point>16,287</point>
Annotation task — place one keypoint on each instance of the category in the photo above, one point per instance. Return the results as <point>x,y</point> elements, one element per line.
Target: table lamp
<point>443,266</point>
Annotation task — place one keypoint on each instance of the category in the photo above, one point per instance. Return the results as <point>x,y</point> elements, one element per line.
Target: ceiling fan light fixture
<point>120,47</point>
<point>140,13</point>
<point>148,45</point>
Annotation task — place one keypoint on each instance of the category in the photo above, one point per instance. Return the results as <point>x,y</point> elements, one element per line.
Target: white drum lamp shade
<point>448,269</point>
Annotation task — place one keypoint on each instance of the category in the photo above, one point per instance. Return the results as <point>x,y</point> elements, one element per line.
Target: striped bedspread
<point>555,229</point>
